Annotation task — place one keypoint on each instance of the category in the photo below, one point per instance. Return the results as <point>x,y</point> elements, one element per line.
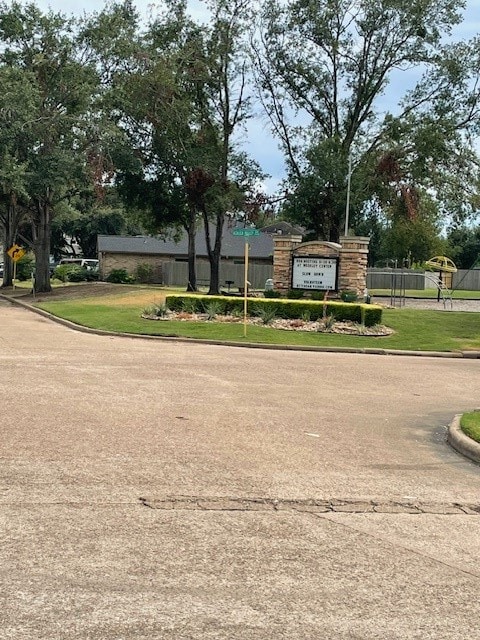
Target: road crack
<point>333,505</point>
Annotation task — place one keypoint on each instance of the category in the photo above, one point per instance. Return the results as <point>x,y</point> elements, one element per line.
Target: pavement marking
<point>333,505</point>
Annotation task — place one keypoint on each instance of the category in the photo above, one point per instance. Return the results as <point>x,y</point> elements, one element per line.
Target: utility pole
<point>349,180</point>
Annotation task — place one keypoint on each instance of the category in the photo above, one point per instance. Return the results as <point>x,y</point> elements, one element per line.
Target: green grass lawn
<point>414,329</point>
<point>470,425</point>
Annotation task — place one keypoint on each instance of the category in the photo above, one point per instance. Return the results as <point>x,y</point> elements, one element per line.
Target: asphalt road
<point>154,489</point>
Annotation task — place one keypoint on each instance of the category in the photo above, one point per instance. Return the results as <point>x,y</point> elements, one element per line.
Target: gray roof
<point>283,228</point>
<point>232,246</point>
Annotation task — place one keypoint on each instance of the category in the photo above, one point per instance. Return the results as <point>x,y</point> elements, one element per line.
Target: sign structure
<point>248,231</point>
<point>15,252</point>
<point>314,272</point>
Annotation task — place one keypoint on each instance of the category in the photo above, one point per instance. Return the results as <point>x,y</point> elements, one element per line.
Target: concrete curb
<point>249,345</point>
<point>461,442</point>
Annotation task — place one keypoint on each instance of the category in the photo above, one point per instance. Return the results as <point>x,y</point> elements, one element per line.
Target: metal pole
<point>245,292</point>
<point>349,180</point>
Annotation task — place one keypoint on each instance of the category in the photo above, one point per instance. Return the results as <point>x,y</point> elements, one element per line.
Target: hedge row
<point>370,314</point>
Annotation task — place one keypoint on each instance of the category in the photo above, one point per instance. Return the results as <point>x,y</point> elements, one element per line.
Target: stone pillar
<point>353,264</point>
<point>282,261</point>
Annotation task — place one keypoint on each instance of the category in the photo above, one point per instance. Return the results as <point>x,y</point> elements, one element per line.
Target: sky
<point>258,141</point>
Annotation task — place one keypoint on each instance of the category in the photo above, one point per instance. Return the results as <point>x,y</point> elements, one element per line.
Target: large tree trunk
<point>41,229</point>
<point>192,271</point>
<point>10,234</point>
<point>214,254</point>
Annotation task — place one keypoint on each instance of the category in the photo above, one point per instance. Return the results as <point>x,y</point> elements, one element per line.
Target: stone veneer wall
<point>352,252</point>
<point>282,261</point>
<point>353,264</point>
<point>129,262</point>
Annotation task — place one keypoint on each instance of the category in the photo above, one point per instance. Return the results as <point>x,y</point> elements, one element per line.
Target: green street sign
<point>249,231</point>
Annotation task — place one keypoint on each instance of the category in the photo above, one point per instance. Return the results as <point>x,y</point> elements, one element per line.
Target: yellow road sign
<point>15,252</point>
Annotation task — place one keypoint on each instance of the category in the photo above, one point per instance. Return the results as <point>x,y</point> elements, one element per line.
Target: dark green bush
<point>119,276</point>
<point>70,273</point>
<point>271,293</point>
<point>295,294</point>
<point>372,314</point>
<point>25,266</point>
<point>349,296</point>
<point>318,295</point>
<point>144,273</point>
<point>77,274</point>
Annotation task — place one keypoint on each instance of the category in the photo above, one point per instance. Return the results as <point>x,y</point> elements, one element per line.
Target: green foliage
<point>189,305</point>
<point>212,308</point>
<point>25,266</point>
<point>70,273</point>
<point>266,314</point>
<point>282,308</point>
<point>295,294</point>
<point>120,276</point>
<point>77,274</point>
<point>464,247</point>
<point>143,273</point>
<point>349,296</point>
<point>271,293</point>
<point>335,82</point>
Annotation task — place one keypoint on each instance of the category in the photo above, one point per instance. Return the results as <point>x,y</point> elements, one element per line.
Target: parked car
<point>86,263</point>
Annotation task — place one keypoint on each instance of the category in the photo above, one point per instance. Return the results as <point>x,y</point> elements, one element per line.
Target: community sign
<point>314,272</point>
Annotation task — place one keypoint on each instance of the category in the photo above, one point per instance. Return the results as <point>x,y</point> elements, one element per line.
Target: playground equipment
<point>442,282</point>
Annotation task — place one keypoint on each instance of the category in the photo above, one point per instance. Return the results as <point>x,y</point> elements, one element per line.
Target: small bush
<point>271,293</point>
<point>77,274</point>
<point>189,305</point>
<point>70,273</point>
<point>119,276</point>
<point>319,295</point>
<point>160,310</point>
<point>143,273</point>
<point>266,314</point>
<point>349,296</point>
<point>212,308</point>
<point>25,266</point>
<point>295,294</point>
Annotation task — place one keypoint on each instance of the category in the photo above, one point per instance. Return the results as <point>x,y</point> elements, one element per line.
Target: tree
<point>16,102</point>
<point>332,89</point>
<point>464,246</point>
<point>44,47</point>
<point>223,106</point>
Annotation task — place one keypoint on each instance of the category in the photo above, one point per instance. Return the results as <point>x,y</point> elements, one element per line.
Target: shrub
<point>271,293</point>
<point>349,296</point>
<point>70,273</point>
<point>319,295</point>
<point>289,309</point>
<point>266,314</point>
<point>25,266</point>
<point>119,276</point>
<point>295,294</point>
<point>143,273</point>
<point>77,274</point>
<point>212,308</point>
<point>189,305</point>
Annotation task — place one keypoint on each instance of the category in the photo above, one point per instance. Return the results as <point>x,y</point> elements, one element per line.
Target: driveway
<point>153,489</point>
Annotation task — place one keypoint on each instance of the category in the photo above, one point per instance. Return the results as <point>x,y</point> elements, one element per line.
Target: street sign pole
<point>245,292</point>
<point>14,273</point>
<point>245,232</point>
